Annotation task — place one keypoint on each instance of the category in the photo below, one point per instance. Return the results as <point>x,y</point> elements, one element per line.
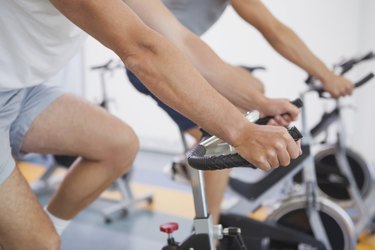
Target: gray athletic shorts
<point>18,109</point>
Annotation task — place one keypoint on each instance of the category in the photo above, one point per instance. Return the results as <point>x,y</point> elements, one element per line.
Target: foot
<point>178,170</point>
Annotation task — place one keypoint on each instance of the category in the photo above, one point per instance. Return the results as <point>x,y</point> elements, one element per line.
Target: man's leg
<point>23,224</point>
<point>107,146</point>
<point>216,185</point>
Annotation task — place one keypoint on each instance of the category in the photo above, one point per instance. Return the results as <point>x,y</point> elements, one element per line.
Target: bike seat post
<point>202,221</point>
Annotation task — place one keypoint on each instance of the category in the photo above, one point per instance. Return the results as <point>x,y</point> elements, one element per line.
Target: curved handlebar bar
<point>349,64</point>
<point>107,66</point>
<point>345,66</point>
<point>198,159</point>
<point>364,80</point>
<point>253,68</point>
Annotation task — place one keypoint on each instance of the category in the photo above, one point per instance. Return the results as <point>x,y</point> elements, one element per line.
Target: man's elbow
<point>141,52</point>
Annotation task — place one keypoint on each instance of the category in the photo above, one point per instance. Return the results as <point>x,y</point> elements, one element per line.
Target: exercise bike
<point>300,211</point>
<point>343,174</point>
<point>214,154</point>
<point>308,213</point>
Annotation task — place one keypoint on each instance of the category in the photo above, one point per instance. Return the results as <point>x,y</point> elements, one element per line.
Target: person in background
<point>235,83</point>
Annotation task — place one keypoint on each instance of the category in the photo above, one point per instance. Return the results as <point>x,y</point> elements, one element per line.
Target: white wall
<point>364,119</point>
<point>332,29</point>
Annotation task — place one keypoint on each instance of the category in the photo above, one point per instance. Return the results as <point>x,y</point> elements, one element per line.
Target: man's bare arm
<point>171,77</point>
<point>240,87</point>
<point>288,44</point>
<point>153,59</point>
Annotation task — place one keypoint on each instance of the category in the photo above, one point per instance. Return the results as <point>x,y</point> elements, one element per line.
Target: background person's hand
<point>338,86</point>
<point>283,111</point>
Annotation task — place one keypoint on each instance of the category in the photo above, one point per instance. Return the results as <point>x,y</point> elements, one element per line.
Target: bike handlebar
<point>364,80</point>
<point>197,157</point>
<point>107,66</point>
<point>345,65</point>
<point>253,68</point>
<point>349,64</point>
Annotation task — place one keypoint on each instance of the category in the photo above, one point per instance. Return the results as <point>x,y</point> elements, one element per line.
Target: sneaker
<point>178,170</point>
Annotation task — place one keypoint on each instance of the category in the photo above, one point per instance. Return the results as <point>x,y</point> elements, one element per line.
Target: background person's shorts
<point>18,109</point>
<point>182,122</point>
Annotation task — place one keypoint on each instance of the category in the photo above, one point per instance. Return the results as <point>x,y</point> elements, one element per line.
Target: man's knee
<point>36,240</point>
<point>50,242</point>
<point>45,239</point>
<point>123,148</point>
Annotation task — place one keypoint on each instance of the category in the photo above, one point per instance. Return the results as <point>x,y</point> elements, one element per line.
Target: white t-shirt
<point>197,15</point>
<point>36,41</point>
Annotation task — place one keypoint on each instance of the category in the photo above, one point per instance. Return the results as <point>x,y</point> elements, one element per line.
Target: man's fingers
<point>295,113</point>
<point>299,145</point>
<point>284,158</point>
<point>350,89</point>
<point>293,148</point>
<point>281,120</point>
<point>272,122</point>
<point>287,118</point>
<point>272,158</point>
<point>263,164</point>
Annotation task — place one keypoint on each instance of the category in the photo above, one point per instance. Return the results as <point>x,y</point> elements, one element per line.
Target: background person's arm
<point>234,83</point>
<point>171,77</point>
<point>289,45</point>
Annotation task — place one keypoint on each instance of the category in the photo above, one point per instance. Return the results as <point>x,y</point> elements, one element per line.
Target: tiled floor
<point>140,229</point>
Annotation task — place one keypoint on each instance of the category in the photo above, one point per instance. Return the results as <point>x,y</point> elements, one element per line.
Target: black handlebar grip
<point>104,66</point>
<point>264,120</point>
<point>348,65</point>
<point>364,80</point>
<point>253,68</point>
<point>369,56</point>
<point>198,160</point>
<point>345,66</point>
<point>310,80</point>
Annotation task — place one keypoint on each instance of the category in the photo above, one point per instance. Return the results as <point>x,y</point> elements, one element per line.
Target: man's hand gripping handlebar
<point>266,147</point>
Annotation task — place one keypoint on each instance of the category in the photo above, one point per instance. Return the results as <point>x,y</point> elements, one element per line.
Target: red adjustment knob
<point>169,227</point>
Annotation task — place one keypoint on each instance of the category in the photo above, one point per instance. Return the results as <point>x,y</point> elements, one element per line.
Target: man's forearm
<point>280,37</point>
<point>237,85</point>
<point>291,47</point>
<point>159,64</point>
<point>233,84</point>
<point>173,79</point>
